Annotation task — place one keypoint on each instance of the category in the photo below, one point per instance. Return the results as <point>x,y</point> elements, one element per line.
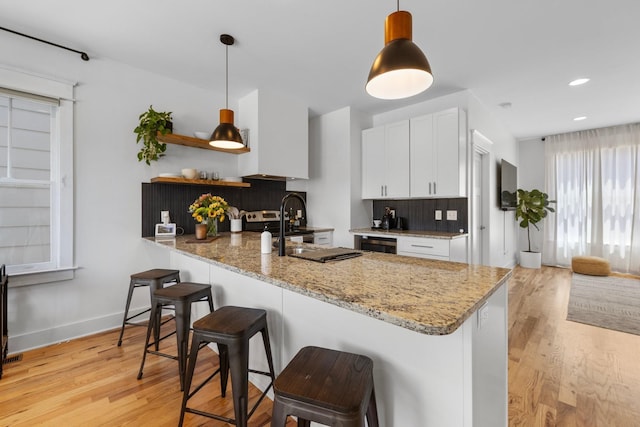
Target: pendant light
<point>226,135</point>
<point>401,69</point>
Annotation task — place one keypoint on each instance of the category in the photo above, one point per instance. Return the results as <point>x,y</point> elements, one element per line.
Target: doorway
<point>480,192</point>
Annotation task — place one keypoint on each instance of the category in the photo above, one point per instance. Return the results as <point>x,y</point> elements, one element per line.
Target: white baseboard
<point>62,333</point>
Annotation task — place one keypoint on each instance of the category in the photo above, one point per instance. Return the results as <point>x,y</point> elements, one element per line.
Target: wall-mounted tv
<point>508,186</point>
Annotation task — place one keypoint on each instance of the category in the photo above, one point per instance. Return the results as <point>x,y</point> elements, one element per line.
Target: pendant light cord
<point>227,77</point>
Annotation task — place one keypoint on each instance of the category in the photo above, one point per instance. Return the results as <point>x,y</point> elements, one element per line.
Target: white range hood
<point>278,136</point>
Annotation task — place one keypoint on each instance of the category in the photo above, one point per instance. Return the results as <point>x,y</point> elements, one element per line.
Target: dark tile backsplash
<point>176,198</point>
<point>420,214</point>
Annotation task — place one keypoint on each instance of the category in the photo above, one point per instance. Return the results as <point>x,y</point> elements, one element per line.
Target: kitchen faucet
<point>281,247</point>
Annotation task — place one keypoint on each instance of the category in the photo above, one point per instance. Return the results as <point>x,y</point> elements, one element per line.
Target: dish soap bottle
<point>265,241</point>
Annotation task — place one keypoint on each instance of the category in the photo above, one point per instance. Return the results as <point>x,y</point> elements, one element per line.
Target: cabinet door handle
<point>381,190</point>
<point>385,190</point>
<point>434,188</point>
<point>422,246</point>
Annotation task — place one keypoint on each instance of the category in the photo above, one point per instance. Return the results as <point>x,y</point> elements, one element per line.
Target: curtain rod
<point>83,55</point>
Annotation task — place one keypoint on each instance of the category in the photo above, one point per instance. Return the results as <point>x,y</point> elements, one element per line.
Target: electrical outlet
<point>438,215</point>
<point>452,215</point>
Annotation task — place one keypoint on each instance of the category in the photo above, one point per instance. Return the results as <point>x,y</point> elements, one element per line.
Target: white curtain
<point>594,176</point>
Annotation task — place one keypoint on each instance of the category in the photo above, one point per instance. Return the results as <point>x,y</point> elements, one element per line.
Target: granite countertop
<point>427,296</point>
<point>408,233</point>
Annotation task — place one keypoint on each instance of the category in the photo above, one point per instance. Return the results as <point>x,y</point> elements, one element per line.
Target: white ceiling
<point>522,52</point>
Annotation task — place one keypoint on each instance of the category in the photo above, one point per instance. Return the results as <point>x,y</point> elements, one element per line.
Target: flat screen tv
<point>508,186</point>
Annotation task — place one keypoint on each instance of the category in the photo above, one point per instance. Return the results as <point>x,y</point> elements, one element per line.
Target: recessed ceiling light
<point>577,119</point>
<point>578,82</point>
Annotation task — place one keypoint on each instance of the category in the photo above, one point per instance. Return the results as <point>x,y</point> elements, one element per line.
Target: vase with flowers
<point>207,210</point>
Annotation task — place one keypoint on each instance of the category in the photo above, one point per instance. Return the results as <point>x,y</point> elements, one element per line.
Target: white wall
<point>531,175</point>
<point>333,197</point>
<point>109,98</point>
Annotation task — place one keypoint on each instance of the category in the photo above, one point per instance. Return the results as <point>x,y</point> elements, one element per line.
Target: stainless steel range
<point>258,221</point>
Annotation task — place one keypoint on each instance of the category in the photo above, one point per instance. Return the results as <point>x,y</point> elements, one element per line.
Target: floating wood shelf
<point>187,141</point>
<point>210,182</point>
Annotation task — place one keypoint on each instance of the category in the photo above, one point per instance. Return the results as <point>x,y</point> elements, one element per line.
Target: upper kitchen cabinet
<point>278,136</point>
<point>385,160</point>
<point>438,154</point>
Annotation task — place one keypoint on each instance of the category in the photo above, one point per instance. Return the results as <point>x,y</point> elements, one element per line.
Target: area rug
<point>607,302</point>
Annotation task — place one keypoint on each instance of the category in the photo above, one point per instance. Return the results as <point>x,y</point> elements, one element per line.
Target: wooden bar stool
<point>181,296</point>
<point>155,279</point>
<point>326,386</point>
<point>231,328</point>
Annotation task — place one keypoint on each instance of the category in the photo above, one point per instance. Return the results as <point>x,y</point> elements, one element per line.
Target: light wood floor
<point>93,382</point>
<point>563,373</point>
<point>560,373</point>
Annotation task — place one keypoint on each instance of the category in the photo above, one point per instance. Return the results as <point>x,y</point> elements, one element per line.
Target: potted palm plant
<point>531,208</point>
<point>152,122</point>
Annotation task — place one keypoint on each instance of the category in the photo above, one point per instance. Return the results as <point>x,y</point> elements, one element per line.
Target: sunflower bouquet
<point>208,208</point>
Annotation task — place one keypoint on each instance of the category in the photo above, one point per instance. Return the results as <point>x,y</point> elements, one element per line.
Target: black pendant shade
<point>401,69</point>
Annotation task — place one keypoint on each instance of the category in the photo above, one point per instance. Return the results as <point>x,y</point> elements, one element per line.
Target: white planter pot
<point>530,259</point>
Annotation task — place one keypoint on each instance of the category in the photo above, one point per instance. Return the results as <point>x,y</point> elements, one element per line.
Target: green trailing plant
<point>532,207</point>
<point>152,122</point>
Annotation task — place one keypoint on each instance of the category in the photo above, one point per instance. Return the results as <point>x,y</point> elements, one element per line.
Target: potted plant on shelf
<point>532,207</point>
<point>152,122</point>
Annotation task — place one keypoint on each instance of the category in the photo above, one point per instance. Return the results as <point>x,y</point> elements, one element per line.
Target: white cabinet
<point>438,154</point>
<point>323,238</point>
<point>274,152</point>
<point>385,160</point>
<point>433,248</point>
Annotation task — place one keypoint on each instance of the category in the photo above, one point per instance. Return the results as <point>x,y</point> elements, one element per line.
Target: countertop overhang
<point>427,296</point>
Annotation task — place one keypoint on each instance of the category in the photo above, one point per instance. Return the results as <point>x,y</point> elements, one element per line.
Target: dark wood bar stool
<point>326,386</point>
<point>181,296</point>
<point>231,328</point>
<point>154,279</point>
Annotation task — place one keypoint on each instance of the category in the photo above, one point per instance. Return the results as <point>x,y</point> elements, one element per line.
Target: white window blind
<point>26,129</point>
<point>36,176</point>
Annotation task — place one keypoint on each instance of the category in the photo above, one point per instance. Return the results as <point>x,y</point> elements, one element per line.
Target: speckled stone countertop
<point>427,296</point>
<point>407,233</point>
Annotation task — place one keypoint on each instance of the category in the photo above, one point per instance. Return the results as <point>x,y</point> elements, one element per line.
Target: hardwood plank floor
<point>93,382</point>
<point>564,373</point>
<point>561,373</point>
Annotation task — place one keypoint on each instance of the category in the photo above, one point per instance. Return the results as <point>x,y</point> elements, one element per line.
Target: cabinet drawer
<point>424,246</point>
<point>323,238</point>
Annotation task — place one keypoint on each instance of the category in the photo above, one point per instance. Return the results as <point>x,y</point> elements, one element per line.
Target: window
<point>595,178</point>
<point>36,177</point>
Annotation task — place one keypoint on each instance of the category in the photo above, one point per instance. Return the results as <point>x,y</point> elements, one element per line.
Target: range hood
<point>278,136</point>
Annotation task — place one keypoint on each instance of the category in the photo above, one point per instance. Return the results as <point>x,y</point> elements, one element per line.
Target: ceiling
<point>504,51</point>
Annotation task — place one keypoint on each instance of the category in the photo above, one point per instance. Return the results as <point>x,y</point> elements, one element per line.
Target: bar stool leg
<point>126,311</point>
<point>267,350</point>
<point>239,363</point>
<point>183,316</point>
<point>154,309</point>
<point>195,345</point>
<point>372,410</point>
<point>278,416</point>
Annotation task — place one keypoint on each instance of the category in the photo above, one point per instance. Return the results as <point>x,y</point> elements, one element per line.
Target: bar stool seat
<point>231,328</point>
<point>154,279</point>
<point>328,387</point>
<point>181,296</point>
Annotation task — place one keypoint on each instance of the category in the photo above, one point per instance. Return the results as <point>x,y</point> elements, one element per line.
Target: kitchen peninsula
<point>436,330</point>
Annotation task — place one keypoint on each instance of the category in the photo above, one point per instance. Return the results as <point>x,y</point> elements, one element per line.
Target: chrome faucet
<point>281,247</point>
